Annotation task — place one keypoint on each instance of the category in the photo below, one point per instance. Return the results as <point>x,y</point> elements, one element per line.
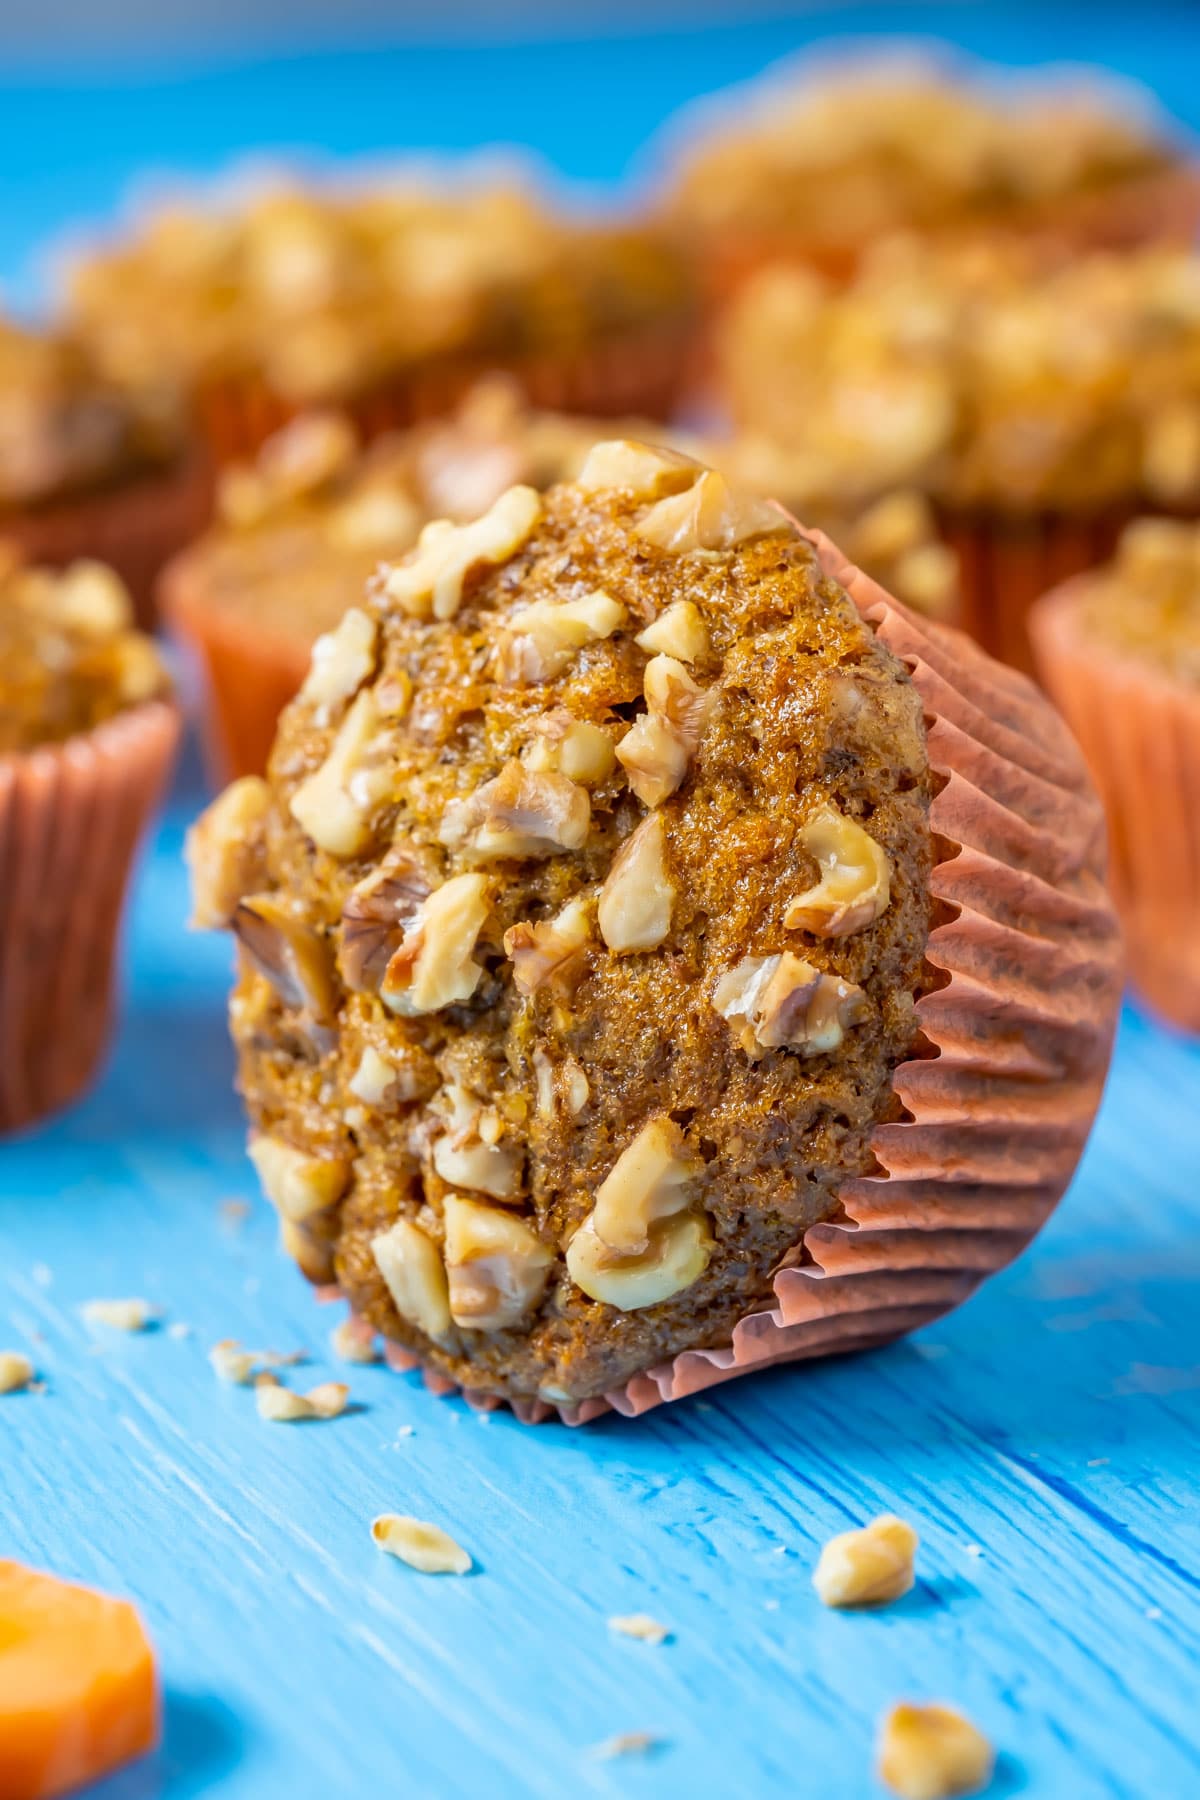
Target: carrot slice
<point>78,1691</point>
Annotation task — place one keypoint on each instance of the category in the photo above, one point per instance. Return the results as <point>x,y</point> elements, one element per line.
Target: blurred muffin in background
<point>815,164</point>
<point>1119,649</point>
<point>1037,408</point>
<point>87,736</point>
<point>91,466</point>
<point>386,303</point>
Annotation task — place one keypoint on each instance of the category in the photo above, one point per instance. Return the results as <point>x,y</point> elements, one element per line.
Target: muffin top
<point>1146,602</point>
<point>65,427</point>
<point>581,920</point>
<point>325,293</point>
<point>69,655</point>
<point>978,377</point>
<point>835,158</point>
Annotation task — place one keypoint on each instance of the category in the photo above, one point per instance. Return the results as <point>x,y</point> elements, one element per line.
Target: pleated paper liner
<point>1019,1036</point>
<point>135,527</point>
<point>640,373</point>
<point>71,816</point>
<point>1140,734</point>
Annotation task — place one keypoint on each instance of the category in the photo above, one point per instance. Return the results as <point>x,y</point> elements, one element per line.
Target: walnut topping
<point>539,641</point>
<point>430,580</point>
<point>497,1266</point>
<point>293,957</point>
<point>376,914</point>
<point>658,747</point>
<point>296,1183</point>
<point>224,851</point>
<point>679,632</point>
<point>710,515</point>
<point>120,1315</point>
<point>572,747</point>
<point>643,470</point>
<point>375,1081</point>
<point>639,1245</point>
<point>867,1567</point>
<point>567,1084</point>
<point>676,1255</point>
<point>549,954</point>
<point>649,1181</point>
<point>323,805</point>
<point>636,900</point>
<point>781,1001</point>
<point>307,455</point>
<point>519,813</point>
<point>341,660</point>
<point>471,1153</point>
<point>855,883</point>
<point>426,1548</point>
<point>434,966</point>
<point>412,1269</point>
<point>932,1753</point>
<point>16,1371</point>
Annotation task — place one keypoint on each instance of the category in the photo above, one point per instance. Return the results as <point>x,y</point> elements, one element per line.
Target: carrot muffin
<point>1119,648</point>
<point>815,167</point>
<point>587,935</point>
<point>87,733</point>
<point>1037,409</point>
<point>387,302</point>
<point>90,467</point>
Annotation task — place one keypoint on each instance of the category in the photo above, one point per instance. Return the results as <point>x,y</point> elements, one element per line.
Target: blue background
<point>1044,1439</point>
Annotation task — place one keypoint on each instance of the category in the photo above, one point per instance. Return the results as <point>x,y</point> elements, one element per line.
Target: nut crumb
<point>640,1626</point>
<point>932,1753</point>
<point>284,1406</point>
<point>120,1315</point>
<point>353,1341</point>
<point>424,1547</point>
<point>867,1567</point>
<point>625,1743</point>
<point>16,1371</point>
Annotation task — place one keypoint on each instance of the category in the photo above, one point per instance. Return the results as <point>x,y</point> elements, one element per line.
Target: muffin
<point>1119,649</point>
<point>660,954</point>
<point>1037,409</point>
<point>813,168</point>
<point>90,467</point>
<point>386,303</point>
<point>87,735</point>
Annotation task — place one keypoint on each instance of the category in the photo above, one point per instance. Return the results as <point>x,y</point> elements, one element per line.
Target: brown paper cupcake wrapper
<point>136,528</point>
<point>998,1109</point>
<point>70,818</point>
<point>1140,734</point>
<point>642,374</point>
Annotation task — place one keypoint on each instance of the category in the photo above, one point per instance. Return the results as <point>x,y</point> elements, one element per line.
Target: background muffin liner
<point>999,1101</point>
<point>71,815</point>
<point>638,373</point>
<point>1140,733</point>
<point>135,527</point>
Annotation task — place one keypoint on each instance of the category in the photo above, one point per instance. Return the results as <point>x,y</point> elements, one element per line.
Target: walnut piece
<point>539,641</point>
<point>677,1255</point>
<point>296,1183</point>
<point>374,1081</point>
<point>430,580</point>
<point>434,966</point>
<point>932,1753</point>
<point>307,454</point>
<point>413,1272</point>
<point>323,805</point>
<point>496,1264</point>
<point>855,884</point>
<point>16,1371</point>
<point>640,1626</point>
<point>566,1084</point>
<point>634,912</point>
<point>867,1567</point>
<point>710,515</point>
<point>284,1406</point>
<point>575,748</point>
<point>470,1152</point>
<point>658,747</point>
<point>309,1248</point>
<point>679,632</point>
<point>353,1340</point>
<point>293,957</point>
<point>550,954</point>
<point>643,470</point>
<point>518,814</point>
<point>649,1181</point>
<point>224,851</point>
<point>342,660</point>
<point>426,1548</point>
<point>376,914</point>
<point>91,598</point>
<point>120,1315</point>
<point>782,1002</point>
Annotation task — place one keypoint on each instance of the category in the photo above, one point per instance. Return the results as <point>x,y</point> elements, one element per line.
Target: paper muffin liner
<point>641,373</point>
<point>248,673</point>
<point>1015,1045</point>
<point>71,815</point>
<point>1140,734</point>
<point>136,528</point>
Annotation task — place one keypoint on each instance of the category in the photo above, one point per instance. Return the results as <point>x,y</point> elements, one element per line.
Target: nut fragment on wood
<point>867,1567</point>
<point>16,1371</point>
<point>283,1406</point>
<point>625,1743</point>
<point>932,1753</point>
<point>120,1315</point>
<point>424,1547</point>
<point>640,1626</point>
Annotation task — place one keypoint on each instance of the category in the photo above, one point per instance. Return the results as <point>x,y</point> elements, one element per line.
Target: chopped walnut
<point>296,1183</point>
<point>426,1548</point>
<point>636,900</point>
<point>307,454</point>
<point>625,1743</point>
<point>649,1181</point>
<point>640,1626</point>
<point>520,813</point>
<point>932,1753</point>
<point>496,1264</point>
<point>643,470</point>
<point>867,1567</point>
<point>413,1272</point>
<point>430,580</point>
<point>710,515</point>
<point>224,851</point>
<point>232,1364</point>
<point>566,1084</point>
<point>375,1081</point>
<point>658,747</point>
<point>92,599</point>
<point>550,954</point>
<point>309,1248</point>
<point>855,883</point>
<point>120,1315</point>
<point>353,1341</point>
<point>16,1371</point>
<point>471,1153</point>
<point>679,632</point>
<point>539,641</point>
<point>341,661</point>
<point>575,748</point>
<point>293,957</point>
<point>283,1405</point>
<point>434,966</point>
<point>377,913</point>
<point>677,1255</point>
<point>323,805</point>
<point>781,1001</point>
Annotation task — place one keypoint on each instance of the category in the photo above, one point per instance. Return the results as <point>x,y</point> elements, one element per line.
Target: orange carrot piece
<point>78,1690</point>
